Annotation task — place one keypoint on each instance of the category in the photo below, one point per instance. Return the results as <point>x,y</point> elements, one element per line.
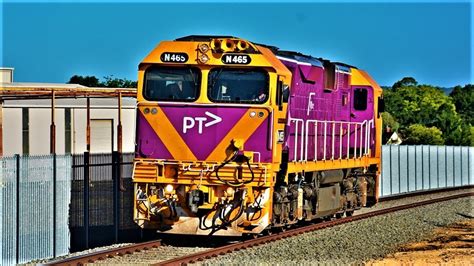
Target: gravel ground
<point>321,241</point>
<point>356,242</point>
<point>79,253</point>
<point>149,256</point>
<point>393,203</point>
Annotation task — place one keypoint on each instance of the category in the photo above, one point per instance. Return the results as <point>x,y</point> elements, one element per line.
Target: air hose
<point>234,158</point>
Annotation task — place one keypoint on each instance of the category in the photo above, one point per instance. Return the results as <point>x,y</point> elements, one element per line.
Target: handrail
<point>327,129</point>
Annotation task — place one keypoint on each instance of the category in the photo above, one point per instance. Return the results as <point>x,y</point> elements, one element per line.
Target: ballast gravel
<point>147,257</point>
<point>355,242</point>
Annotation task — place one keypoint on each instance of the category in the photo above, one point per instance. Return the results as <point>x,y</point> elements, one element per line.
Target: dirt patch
<point>449,245</point>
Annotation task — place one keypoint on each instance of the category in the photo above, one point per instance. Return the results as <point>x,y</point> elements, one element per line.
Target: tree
<point>390,125</point>
<point>110,82</point>
<point>404,82</point>
<point>463,98</point>
<point>419,134</point>
<point>416,104</point>
<point>89,81</point>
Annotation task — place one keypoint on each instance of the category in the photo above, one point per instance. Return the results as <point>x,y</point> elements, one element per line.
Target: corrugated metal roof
<point>39,85</point>
<point>96,103</point>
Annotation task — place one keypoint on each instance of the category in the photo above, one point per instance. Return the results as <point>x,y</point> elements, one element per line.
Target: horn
<point>228,45</point>
<point>216,44</point>
<point>242,45</point>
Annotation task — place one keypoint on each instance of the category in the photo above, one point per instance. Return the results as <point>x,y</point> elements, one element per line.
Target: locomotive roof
<point>202,38</point>
<point>300,58</point>
<point>318,62</point>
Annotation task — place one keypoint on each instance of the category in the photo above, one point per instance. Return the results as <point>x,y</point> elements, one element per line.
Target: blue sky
<point>51,41</point>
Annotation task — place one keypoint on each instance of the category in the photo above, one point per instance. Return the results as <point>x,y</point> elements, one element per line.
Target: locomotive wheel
<point>349,213</point>
<point>339,215</point>
<point>268,232</point>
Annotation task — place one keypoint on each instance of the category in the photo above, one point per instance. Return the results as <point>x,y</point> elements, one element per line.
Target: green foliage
<point>89,81</point>
<point>404,82</point>
<point>463,98</point>
<point>390,125</point>
<point>410,104</point>
<point>118,83</point>
<point>110,82</point>
<point>419,134</point>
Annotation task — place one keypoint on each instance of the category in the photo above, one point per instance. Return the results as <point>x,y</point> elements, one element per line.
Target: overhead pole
<point>52,128</point>
<point>120,139</point>
<point>1,127</point>
<point>86,172</point>
<point>88,125</point>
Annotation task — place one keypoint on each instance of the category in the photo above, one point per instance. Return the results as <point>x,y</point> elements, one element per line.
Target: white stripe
<point>343,72</point>
<point>293,61</point>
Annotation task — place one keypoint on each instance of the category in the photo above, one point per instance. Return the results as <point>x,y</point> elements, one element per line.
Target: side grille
<point>146,170</point>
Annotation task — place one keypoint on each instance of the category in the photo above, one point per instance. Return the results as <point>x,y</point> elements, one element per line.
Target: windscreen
<point>238,86</point>
<point>171,84</point>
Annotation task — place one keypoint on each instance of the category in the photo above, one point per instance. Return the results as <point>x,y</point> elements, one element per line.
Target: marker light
<point>216,44</point>
<point>252,114</point>
<point>154,111</point>
<point>146,110</point>
<point>203,47</point>
<point>169,188</point>
<point>203,58</point>
<point>230,192</point>
<point>228,45</point>
<point>242,45</point>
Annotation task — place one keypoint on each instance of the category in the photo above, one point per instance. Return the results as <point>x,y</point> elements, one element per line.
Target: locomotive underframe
<point>257,207</point>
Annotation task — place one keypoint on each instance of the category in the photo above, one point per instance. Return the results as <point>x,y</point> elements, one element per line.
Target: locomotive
<point>235,138</point>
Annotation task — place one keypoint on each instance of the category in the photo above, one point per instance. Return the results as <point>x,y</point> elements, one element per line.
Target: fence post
<point>399,171</point>
<point>408,168</point>
<point>54,204</point>
<point>115,179</point>
<point>86,199</point>
<point>390,163</point>
<point>17,229</point>
<point>460,159</point>
<point>416,169</point>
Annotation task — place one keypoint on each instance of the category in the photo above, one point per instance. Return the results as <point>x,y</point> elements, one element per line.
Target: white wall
<point>12,131</point>
<point>79,123</point>
<point>40,121</point>
<point>39,124</point>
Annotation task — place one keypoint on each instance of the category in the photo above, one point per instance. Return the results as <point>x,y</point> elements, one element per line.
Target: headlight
<point>203,58</point>
<point>203,47</point>
<point>169,188</point>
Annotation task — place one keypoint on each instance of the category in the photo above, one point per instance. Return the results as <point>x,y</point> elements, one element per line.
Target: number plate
<point>236,59</point>
<point>174,57</point>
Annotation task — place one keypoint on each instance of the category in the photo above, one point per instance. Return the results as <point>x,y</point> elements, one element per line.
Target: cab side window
<point>360,99</point>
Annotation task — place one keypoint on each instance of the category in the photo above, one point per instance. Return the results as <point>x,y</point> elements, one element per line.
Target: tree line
<point>109,82</point>
<point>425,114</point>
<point>418,113</point>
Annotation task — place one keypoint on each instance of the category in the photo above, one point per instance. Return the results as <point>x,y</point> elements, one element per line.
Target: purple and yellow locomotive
<point>236,138</point>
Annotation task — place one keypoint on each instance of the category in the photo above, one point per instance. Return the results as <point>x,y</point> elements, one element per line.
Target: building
<point>25,119</point>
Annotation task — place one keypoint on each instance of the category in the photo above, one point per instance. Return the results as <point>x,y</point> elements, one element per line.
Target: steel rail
<point>297,231</point>
<point>104,254</point>
<point>423,193</point>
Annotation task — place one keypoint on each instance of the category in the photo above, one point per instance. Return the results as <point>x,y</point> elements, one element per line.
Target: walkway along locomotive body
<point>234,138</point>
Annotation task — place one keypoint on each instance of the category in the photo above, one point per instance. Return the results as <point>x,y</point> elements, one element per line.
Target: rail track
<point>214,252</point>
